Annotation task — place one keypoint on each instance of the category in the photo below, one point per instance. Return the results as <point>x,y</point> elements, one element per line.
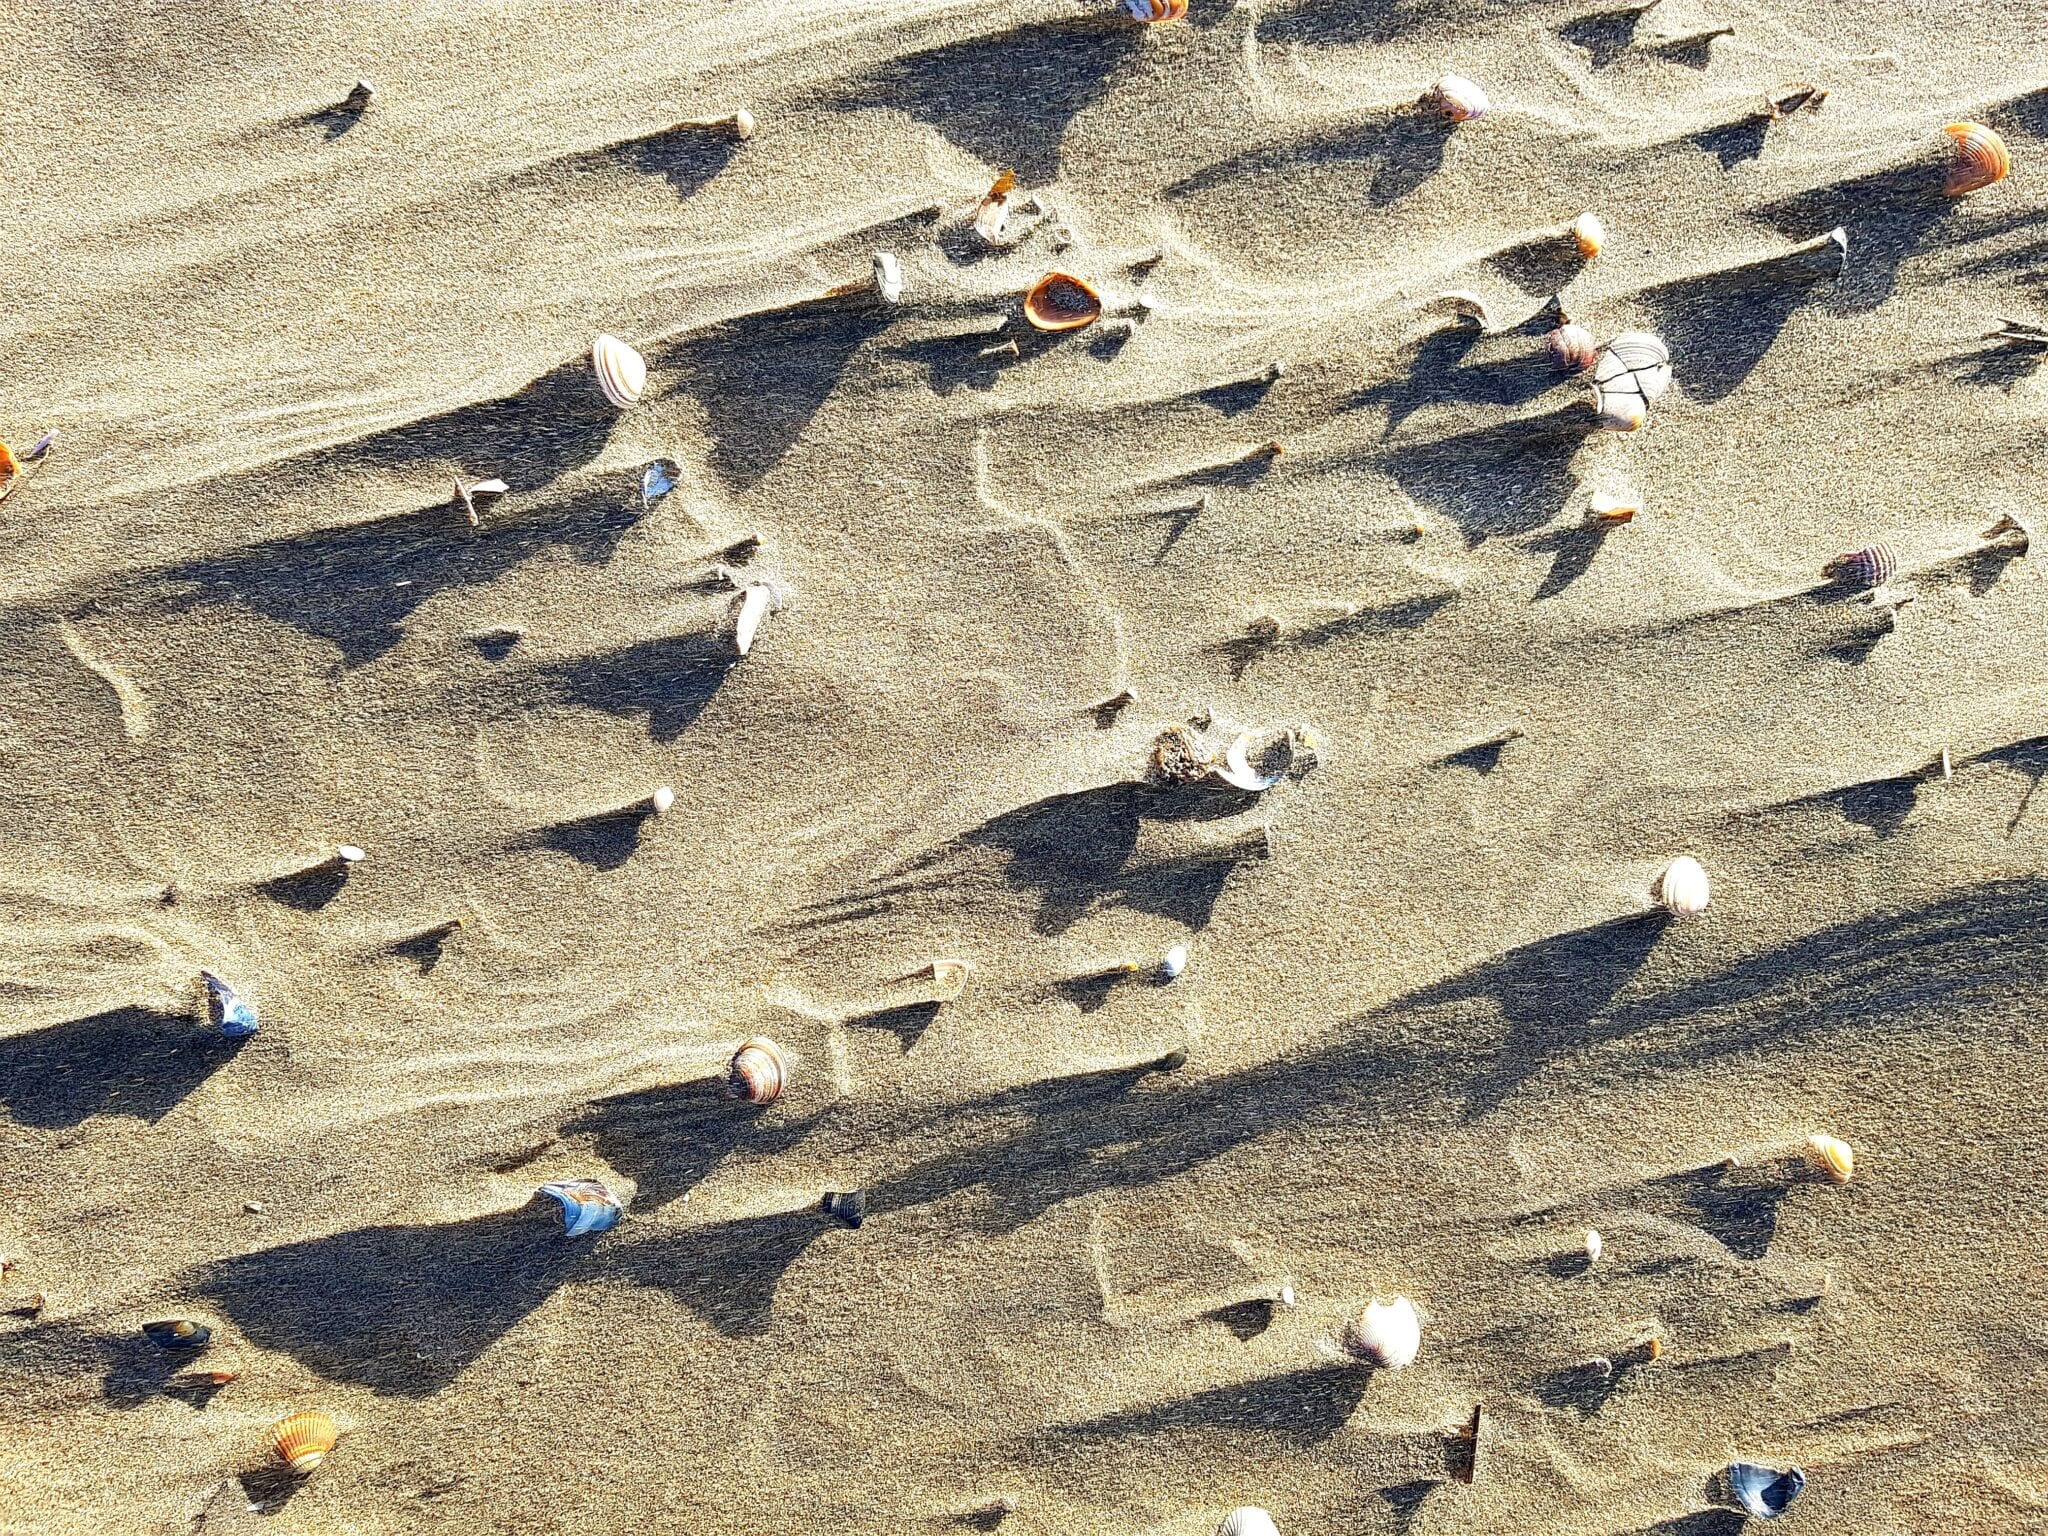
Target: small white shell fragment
<point>349,853</point>
<point>1248,1520</point>
<point>1236,768</point>
<point>755,601</point>
<point>888,277</point>
<point>1463,301</point>
<point>43,445</point>
<point>656,481</point>
<point>1286,1295</point>
<point>661,800</point>
<point>741,124</point>
<point>489,488</point>
<point>1388,1333</point>
<point>1593,1246</point>
<point>1683,888</point>
<point>1175,962</point>
<point>621,372</point>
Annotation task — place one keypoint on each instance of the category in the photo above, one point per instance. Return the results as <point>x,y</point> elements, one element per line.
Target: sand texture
<point>1432,1025</point>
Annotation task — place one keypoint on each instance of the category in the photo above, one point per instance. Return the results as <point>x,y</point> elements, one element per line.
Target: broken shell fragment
<point>1588,234</point>
<point>1238,772</point>
<point>1456,98</point>
<point>756,601</point>
<point>992,215</point>
<point>1465,304</point>
<point>1980,158</point>
<point>1764,1491</point>
<point>1388,1333</point>
<point>849,1206</point>
<point>1594,1245</point>
<point>1152,12</point>
<point>1788,99</point>
<point>1832,1156</point>
<point>303,1440</point>
<point>1572,347</point>
<point>1058,302</point>
<point>1683,887</point>
<point>1607,511</point>
<point>359,97</point>
<point>587,1205</point>
<point>234,1018</point>
<point>1871,566</point>
<point>1247,1520</point>
<point>656,481</point>
<point>948,978</point>
<point>1631,371</point>
<point>888,277</point>
<point>621,372</point>
<point>758,1073</point>
<point>177,1333</point>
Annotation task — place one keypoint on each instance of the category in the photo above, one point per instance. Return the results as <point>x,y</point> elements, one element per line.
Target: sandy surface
<point>1432,1030</point>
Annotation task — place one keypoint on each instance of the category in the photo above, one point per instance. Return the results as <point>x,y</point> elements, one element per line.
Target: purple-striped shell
<point>1457,99</point>
<point>758,1073</point>
<point>1872,566</point>
<point>1572,347</point>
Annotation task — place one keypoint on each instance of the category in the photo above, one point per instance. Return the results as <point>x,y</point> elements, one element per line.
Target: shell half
<point>1764,1491</point>
<point>587,1206</point>
<point>1981,158</point>
<point>1059,302</point>
<point>1833,1156</point>
<point>1683,888</point>
<point>1871,566</point>
<point>1458,99</point>
<point>758,1072</point>
<point>302,1440</point>
<point>1247,1520</point>
<point>621,372</point>
<point>1572,347</point>
<point>1388,1333</point>
<point>1589,234</point>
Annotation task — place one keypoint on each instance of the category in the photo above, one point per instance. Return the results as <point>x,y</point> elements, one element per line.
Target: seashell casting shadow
<point>1307,1406</point>
<point>1889,214</point>
<point>138,1062</point>
<point>1721,323</point>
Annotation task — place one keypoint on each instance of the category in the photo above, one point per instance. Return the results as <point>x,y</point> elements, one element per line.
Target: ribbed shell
<point>1458,99</point>
<point>1388,1333</point>
<point>1589,234</point>
<point>621,372</point>
<point>1572,347</point>
<point>177,1333</point>
<point>1872,566</point>
<point>1249,1520</point>
<point>1637,357</point>
<point>1981,158</point>
<point>302,1440</point>
<point>1153,11</point>
<point>1683,888</point>
<point>1062,303</point>
<point>758,1073</point>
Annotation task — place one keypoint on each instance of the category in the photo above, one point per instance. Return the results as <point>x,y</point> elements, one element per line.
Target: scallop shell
<point>1980,158</point>
<point>1062,303</point>
<point>758,1072</point>
<point>177,1333</point>
<point>302,1440</point>
<point>9,465</point>
<point>1247,1520</point>
<point>1572,347</point>
<point>1589,234</point>
<point>621,372</point>
<point>1872,566</point>
<point>1764,1491</point>
<point>1151,12</point>
<point>888,277</point>
<point>1457,99</point>
<point>235,1019</point>
<point>1683,888</point>
<point>1388,1333</point>
<point>587,1206</point>
<point>1833,1156</point>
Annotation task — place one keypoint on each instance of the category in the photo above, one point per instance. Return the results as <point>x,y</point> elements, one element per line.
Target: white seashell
<point>1236,768</point>
<point>1637,357</point>
<point>621,372</point>
<point>757,601</point>
<point>1388,1333</point>
<point>1620,411</point>
<point>888,277</point>
<point>1248,1520</point>
<point>741,124</point>
<point>1175,962</point>
<point>661,800</point>
<point>349,853</point>
<point>1593,1246</point>
<point>1683,888</point>
<point>1457,99</point>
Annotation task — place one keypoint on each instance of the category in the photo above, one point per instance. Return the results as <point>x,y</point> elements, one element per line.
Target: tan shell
<point>758,1072</point>
<point>1457,98</point>
<point>1832,1156</point>
<point>1589,234</point>
<point>302,1440</point>
<point>1062,303</point>
<point>1980,158</point>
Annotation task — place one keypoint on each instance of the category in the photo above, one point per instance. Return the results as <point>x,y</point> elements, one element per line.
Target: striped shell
<point>1632,370</point>
<point>302,1440</point>
<point>1388,1333</point>
<point>1248,1520</point>
<point>1588,234</point>
<point>1833,1156</point>
<point>1152,11</point>
<point>1683,888</point>
<point>758,1073</point>
<point>621,372</point>
<point>1980,158</point>
<point>9,465</point>
<point>1457,99</point>
<point>1869,567</point>
<point>1572,347</point>
<point>1062,303</point>
<point>587,1206</point>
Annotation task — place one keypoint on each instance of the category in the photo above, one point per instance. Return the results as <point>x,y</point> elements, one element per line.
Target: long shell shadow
<point>1006,98</point>
<point>906,1021</point>
<point>1308,1406</point>
<point>603,840</point>
<point>401,1310</point>
<point>1573,551</point>
<point>1397,151</point>
<point>668,1138</point>
<point>1496,481</point>
<point>1735,141</point>
<point>1889,215</point>
<point>1605,36</point>
<point>727,1272</point>
<point>1721,323</point>
<point>310,889</point>
<point>669,679</point>
<point>1438,373</point>
<point>686,157</point>
<point>1882,805</point>
<point>138,1062</point>
<point>2028,757</point>
<point>1992,364</point>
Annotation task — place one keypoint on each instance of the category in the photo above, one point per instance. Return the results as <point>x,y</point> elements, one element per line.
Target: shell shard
<point>1764,1491</point>
<point>234,1018</point>
<point>1572,347</point>
<point>757,600</point>
<point>1683,888</point>
<point>1387,1333</point>
<point>656,481</point>
<point>42,446</point>
<point>758,1072</point>
<point>1979,158</point>
<point>303,1440</point>
<point>992,216</point>
<point>1247,1520</point>
<point>1788,99</point>
<point>1457,98</point>
<point>888,277</point>
<point>621,372</point>
<point>1588,234</point>
<point>1832,1156</point>
<point>1152,12</point>
<point>177,1333</point>
<point>1237,771</point>
<point>948,978</point>
<point>587,1206</point>
<point>1871,566</point>
<point>849,1206</point>
<point>1059,302</point>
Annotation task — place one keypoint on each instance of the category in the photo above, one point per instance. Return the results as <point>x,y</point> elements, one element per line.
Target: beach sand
<point>1434,1026</point>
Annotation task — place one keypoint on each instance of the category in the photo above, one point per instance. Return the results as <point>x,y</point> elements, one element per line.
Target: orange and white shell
<point>1059,302</point>
<point>1683,888</point>
<point>1151,12</point>
<point>302,1440</point>
<point>1388,1333</point>
<point>758,1072</point>
<point>1458,99</point>
<point>621,372</point>
<point>1588,234</point>
<point>1980,158</point>
<point>1832,1156</point>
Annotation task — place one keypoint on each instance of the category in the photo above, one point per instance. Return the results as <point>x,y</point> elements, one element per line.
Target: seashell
<point>740,124</point>
<point>757,601</point>
<point>1247,1520</point>
<point>661,800</point>
<point>1871,566</point>
<point>1764,1491</point>
<point>587,1205</point>
<point>1980,158</point>
<point>1606,511</point>
<point>349,853</point>
<point>948,977</point>
<point>1639,356</point>
<point>1465,304</point>
<point>1833,1156</point>
<point>888,277</point>
<point>177,1333</point>
<point>1175,962</point>
<point>1062,303</point>
<point>1588,233</point>
<point>849,1206</point>
<point>1683,887</point>
<point>1788,99</point>
<point>1457,99</point>
<point>10,466</point>
<point>1623,411</point>
<point>1388,1333</point>
<point>758,1072</point>
<point>43,445</point>
<point>621,372</point>
<point>1593,1246</point>
<point>656,481</point>
<point>360,95</point>
<point>992,214</point>
<point>235,1019</point>
<point>1152,12</point>
<point>1237,770</point>
<point>1572,347</point>
<point>302,1440</point>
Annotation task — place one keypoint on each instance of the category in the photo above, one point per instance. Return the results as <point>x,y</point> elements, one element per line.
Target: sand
<point>1433,1026</point>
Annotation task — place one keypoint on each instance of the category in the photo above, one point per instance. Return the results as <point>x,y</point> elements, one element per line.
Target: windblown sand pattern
<point>1433,1025</point>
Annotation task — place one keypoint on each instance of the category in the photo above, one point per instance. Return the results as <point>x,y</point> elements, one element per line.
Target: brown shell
<point>1572,347</point>
<point>758,1073</point>
<point>1062,303</point>
<point>1980,158</point>
<point>302,1440</point>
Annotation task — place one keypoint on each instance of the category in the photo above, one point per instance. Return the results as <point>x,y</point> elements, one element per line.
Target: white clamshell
<point>888,277</point>
<point>1388,1333</point>
<point>1683,888</point>
<point>621,372</point>
<point>1458,99</point>
<point>1594,1245</point>
<point>1247,1520</point>
<point>660,801</point>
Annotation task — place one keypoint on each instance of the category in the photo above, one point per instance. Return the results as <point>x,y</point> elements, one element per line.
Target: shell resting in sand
<point>1458,99</point>
<point>1152,12</point>
<point>1980,158</point>
<point>1871,566</point>
<point>302,1440</point>
<point>758,1072</point>
<point>1059,302</point>
<point>1247,1520</point>
<point>1388,1333</point>
<point>588,1206</point>
<point>621,372</point>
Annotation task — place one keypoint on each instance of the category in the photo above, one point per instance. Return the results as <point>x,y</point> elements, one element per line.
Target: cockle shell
<point>1631,371</point>
<point>1764,1491</point>
<point>1247,1520</point>
<point>1572,347</point>
<point>1980,158</point>
<point>1833,1156</point>
<point>758,1072</point>
<point>1388,1333</point>
<point>177,1333</point>
<point>1153,11</point>
<point>888,277</point>
<point>235,1019</point>
<point>1872,566</point>
<point>1589,234</point>
<point>1059,302</point>
<point>621,372</point>
<point>302,1440</point>
<point>1457,99</point>
<point>1594,1245</point>
<point>1683,888</point>
<point>587,1205</point>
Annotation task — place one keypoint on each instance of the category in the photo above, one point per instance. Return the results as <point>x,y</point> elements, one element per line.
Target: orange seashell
<point>9,465</point>
<point>1981,158</point>
<point>1152,12</point>
<point>758,1073</point>
<point>302,1440</point>
<point>1062,303</point>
